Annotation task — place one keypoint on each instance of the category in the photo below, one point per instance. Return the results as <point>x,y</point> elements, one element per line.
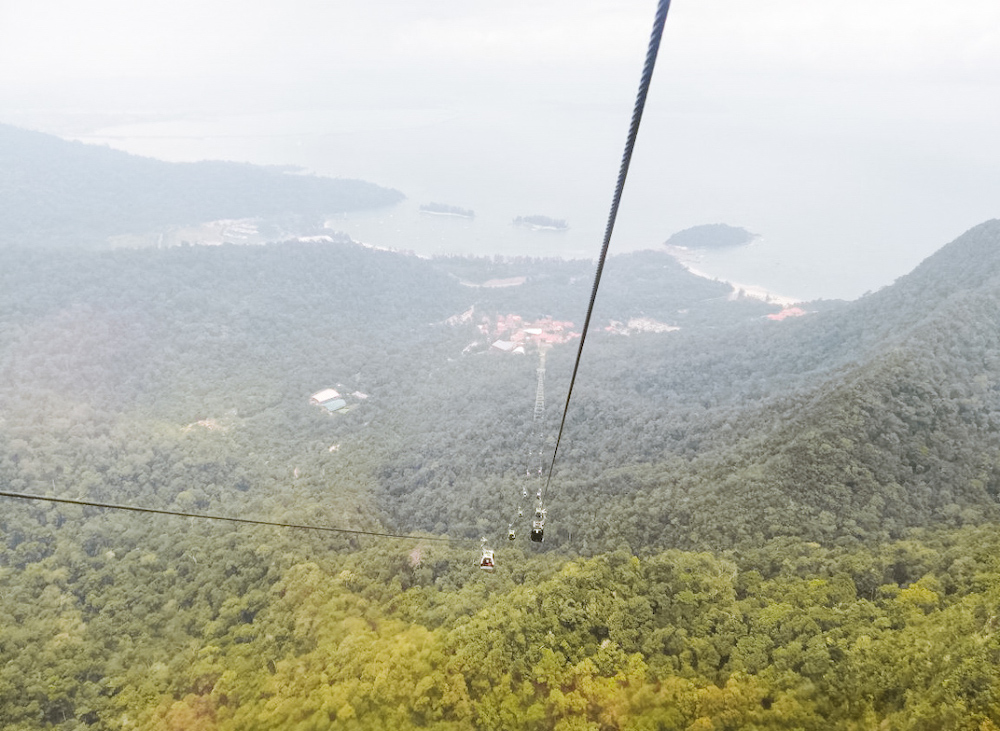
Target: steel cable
<point>640,104</point>
<point>202,516</point>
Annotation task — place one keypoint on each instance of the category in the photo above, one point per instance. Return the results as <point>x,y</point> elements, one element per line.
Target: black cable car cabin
<point>537,530</point>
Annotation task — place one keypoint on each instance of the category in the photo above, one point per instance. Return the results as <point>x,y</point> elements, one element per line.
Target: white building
<point>325,395</point>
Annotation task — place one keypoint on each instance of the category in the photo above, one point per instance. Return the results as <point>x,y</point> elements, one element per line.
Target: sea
<point>554,160</point>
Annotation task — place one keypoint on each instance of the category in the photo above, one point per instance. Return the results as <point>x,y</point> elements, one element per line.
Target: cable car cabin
<point>537,530</point>
<point>486,562</point>
<point>538,524</point>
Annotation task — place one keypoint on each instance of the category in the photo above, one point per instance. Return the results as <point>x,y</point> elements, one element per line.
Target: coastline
<point>536,227</point>
<point>689,258</point>
<point>446,213</point>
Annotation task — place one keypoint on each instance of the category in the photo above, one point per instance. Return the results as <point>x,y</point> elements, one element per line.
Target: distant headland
<point>442,209</point>
<point>711,236</point>
<point>541,223</point>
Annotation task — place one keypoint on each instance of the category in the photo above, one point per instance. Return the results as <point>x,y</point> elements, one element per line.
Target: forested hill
<point>887,417</point>
<point>840,468</point>
<point>54,192</point>
<point>967,267</point>
<point>720,428</point>
<point>854,423</point>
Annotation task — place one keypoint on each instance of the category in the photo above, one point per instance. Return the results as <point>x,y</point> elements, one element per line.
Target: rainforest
<point>753,523</point>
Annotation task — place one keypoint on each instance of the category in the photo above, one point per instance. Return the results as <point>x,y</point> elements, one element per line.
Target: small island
<point>711,236</point>
<point>442,209</point>
<point>541,223</point>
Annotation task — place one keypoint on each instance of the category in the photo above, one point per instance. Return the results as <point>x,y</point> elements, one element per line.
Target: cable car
<point>537,531</point>
<point>486,562</point>
<point>538,525</point>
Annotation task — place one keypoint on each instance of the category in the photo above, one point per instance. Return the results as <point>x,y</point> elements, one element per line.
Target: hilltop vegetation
<point>856,423</point>
<point>213,628</point>
<point>753,524</point>
<point>711,236</point>
<point>58,193</point>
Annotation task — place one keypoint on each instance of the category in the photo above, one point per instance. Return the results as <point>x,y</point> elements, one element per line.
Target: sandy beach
<point>690,259</point>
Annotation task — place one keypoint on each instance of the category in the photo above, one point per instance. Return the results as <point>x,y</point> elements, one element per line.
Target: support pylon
<point>540,390</point>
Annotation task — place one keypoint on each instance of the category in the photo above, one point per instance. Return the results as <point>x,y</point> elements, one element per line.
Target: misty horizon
<point>855,143</point>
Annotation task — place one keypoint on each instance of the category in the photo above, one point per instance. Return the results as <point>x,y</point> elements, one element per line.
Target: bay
<point>553,159</point>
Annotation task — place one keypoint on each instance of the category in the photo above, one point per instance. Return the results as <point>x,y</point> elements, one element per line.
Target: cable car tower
<point>536,447</point>
<point>540,390</point>
<point>538,521</point>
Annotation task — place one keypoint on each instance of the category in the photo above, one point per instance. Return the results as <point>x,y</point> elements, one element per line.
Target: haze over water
<point>498,163</point>
<point>554,160</point>
<point>855,139</point>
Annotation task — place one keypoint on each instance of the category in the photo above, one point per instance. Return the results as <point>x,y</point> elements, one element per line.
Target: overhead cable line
<point>202,516</point>
<point>640,103</point>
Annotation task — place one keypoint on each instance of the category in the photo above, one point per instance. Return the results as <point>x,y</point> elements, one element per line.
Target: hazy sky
<point>775,48</point>
<point>863,124</point>
<point>305,52</point>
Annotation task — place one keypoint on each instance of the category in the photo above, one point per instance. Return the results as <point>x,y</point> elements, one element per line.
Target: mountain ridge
<point>793,522</point>
<point>792,422</point>
<point>56,192</point>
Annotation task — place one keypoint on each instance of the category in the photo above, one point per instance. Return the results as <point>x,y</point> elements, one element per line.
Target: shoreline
<point>688,259</point>
<point>536,227</point>
<point>446,213</point>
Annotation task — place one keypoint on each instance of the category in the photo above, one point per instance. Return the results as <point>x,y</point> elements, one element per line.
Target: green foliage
<point>758,524</point>
<point>711,236</point>
<point>778,639</point>
<point>71,194</point>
